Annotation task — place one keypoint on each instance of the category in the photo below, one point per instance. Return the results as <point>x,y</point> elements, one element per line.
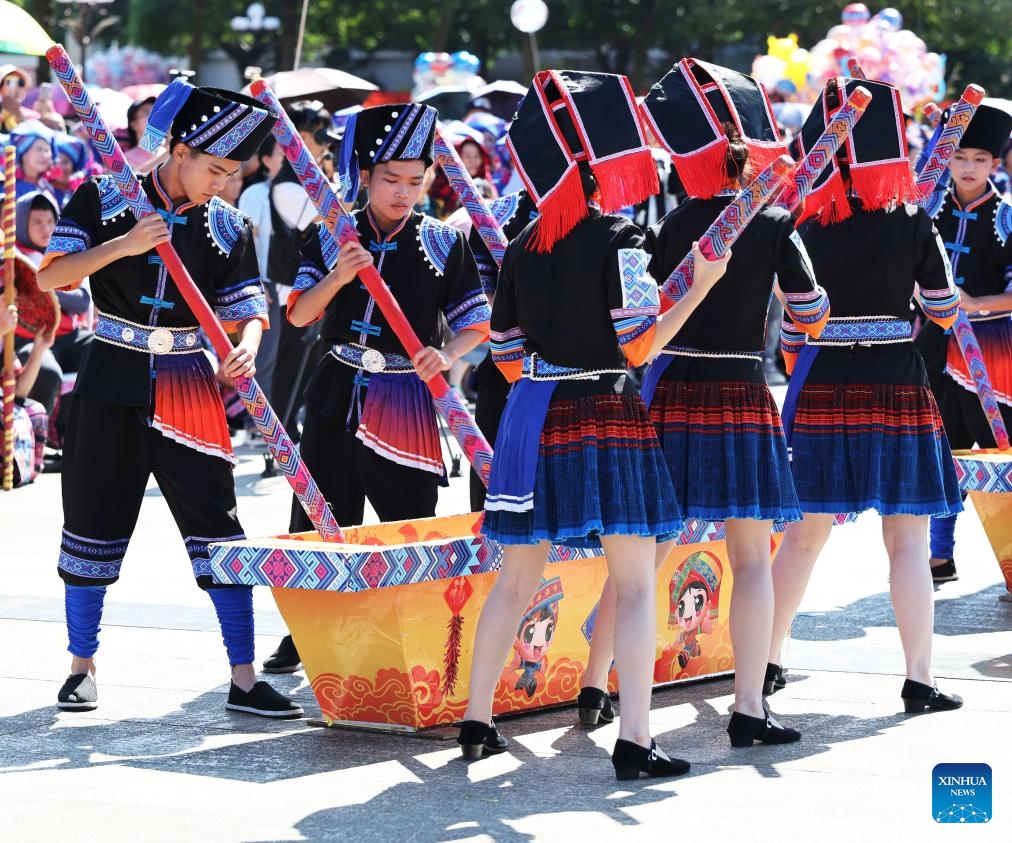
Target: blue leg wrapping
<point>942,533</point>
<point>84,614</point>
<point>234,606</point>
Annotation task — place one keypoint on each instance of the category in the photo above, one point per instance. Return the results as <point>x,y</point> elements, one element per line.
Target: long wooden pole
<point>10,234</point>
<point>285,453</point>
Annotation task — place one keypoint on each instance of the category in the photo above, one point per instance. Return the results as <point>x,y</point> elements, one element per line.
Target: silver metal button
<point>373,361</point>
<point>160,341</point>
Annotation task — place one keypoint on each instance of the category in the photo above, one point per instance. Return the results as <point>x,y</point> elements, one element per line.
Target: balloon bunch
<point>784,68</point>
<point>885,50</point>
<point>434,70</point>
<point>117,67</point>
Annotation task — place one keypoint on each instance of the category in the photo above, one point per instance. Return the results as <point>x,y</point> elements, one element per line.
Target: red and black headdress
<point>687,110</point>
<point>875,153</point>
<point>569,117</point>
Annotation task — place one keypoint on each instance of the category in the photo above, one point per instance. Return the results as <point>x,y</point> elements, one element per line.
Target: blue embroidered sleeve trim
<point>111,200</point>
<point>1003,220</point>
<point>437,241</point>
<point>507,346</point>
<point>225,225</point>
<point>473,310</point>
<point>309,276</point>
<point>68,239</point>
<point>241,302</point>
<point>243,310</point>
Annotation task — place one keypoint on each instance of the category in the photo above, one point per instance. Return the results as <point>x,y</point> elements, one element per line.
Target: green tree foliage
<point>977,36</point>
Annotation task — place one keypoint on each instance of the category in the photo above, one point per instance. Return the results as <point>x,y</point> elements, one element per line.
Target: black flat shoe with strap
<point>774,680</point>
<point>631,759</point>
<point>477,739</point>
<point>917,696</point>
<point>744,730</point>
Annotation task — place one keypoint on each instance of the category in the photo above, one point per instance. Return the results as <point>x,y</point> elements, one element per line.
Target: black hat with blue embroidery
<point>222,123</point>
<point>403,132</point>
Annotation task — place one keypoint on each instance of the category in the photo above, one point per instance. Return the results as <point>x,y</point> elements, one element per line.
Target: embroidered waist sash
<point>845,331</point>
<point>536,368</point>
<point>146,338</point>
<point>187,400</point>
<point>373,361</point>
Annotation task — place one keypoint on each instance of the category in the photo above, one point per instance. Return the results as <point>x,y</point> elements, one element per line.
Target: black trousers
<point>109,454</point>
<point>493,390</point>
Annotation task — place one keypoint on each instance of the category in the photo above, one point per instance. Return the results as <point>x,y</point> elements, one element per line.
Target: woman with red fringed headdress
<point>864,429</point>
<point>576,463</point>
<point>715,417</point>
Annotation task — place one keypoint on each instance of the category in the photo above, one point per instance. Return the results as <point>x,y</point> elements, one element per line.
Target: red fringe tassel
<point>704,173</point>
<point>626,180</point>
<point>560,213</point>
<point>830,203</point>
<point>879,185</point>
<point>760,156</point>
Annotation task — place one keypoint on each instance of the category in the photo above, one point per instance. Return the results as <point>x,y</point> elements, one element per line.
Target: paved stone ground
<point>162,760</point>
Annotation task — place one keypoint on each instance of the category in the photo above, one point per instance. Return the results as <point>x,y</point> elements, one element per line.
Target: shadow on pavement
<point>965,614</point>
<point>202,738</point>
<point>458,801</point>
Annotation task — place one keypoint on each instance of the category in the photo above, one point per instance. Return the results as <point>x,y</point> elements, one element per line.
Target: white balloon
<point>529,15</point>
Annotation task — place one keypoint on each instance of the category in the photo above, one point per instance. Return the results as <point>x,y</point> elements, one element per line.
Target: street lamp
<point>529,16</point>
<point>261,28</point>
<point>85,21</point>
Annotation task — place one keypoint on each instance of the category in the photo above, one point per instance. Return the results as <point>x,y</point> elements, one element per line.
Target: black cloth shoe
<point>285,659</point>
<point>946,572</point>
<point>477,738</point>
<point>917,696</point>
<point>595,706</point>
<point>79,693</point>
<point>630,759</point>
<point>744,730</point>
<point>262,699</point>
<point>775,680</point>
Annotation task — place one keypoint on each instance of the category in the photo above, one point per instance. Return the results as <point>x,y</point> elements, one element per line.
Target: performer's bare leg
<point>602,646</point>
<point>792,569</point>
<point>911,590</point>
<point>522,567</point>
<point>631,569</point>
<point>79,665</point>
<point>751,616</point>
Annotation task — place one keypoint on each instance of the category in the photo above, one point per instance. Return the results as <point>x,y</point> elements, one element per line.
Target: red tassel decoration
<point>626,180</point>
<point>703,173</point>
<point>559,213</point>
<point>880,184</point>
<point>829,204</point>
<point>760,156</point>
